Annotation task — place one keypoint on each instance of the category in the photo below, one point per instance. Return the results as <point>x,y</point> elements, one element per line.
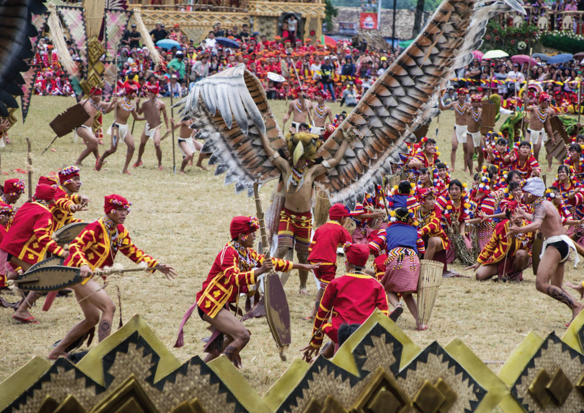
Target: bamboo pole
<point>172,129</point>
<point>29,167</point>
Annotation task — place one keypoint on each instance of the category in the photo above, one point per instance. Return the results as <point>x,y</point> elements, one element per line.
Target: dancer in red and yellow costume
<point>349,299</point>
<point>323,249</point>
<point>6,212</point>
<point>95,248</point>
<point>575,159</point>
<point>505,255</point>
<point>29,239</point>
<point>12,190</point>
<point>67,201</point>
<point>236,267</point>
<point>427,155</point>
<point>428,215</point>
<point>523,161</point>
<point>483,206</point>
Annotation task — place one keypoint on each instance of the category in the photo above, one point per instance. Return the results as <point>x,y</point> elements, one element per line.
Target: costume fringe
<point>154,55</point>
<point>58,38</point>
<point>321,208</point>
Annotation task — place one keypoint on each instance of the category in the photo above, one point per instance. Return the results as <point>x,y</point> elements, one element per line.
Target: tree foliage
<point>330,11</point>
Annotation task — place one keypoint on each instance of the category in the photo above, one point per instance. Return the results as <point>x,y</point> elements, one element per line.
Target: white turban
<point>534,186</point>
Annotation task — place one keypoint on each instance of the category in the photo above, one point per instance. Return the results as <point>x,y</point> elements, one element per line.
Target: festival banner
<point>369,21</point>
<point>116,22</point>
<point>38,21</point>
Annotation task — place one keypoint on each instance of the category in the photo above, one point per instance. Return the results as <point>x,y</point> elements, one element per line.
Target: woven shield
<point>68,233</point>
<point>50,278</point>
<point>49,262</point>
<point>72,118</point>
<point>277,312</point>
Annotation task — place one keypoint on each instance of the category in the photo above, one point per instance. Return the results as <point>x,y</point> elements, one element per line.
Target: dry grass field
<point>184,221</point>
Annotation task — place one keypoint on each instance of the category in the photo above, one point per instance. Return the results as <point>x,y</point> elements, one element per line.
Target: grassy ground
<point>184,221</point>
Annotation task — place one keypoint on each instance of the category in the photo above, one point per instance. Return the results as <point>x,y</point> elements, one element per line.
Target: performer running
<point>154,133</point>
<point>119,130</point>
<point>94,107</point>
<point>474,120</point>
<point>323,249</point>
<point>97,247</point>
<point>187,144</point>
<point>460,128</point>
<point>237,266</point>
<point>296,219</point>
<point>505,255</point>
<point>556,247</point>
<point>29,239</point>
<point>539,119</point>
<point>349,299</point>
<point>321,113</point>
<point>299,109</point>
<point>67,202</point>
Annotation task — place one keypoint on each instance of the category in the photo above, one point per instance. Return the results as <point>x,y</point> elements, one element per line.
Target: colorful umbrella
<point>329,41</point>
<point>522,58</point>
<point>225,42</point>
<point>560,58</point>
<point>168,44</point>
<point>478,55</point>
<point>543,57</point>
<point>495,54</point>
<point>579,56</point>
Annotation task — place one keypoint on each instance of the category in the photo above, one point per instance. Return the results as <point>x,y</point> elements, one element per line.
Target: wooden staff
<point>579,106</point>
<point>526,95</point>
<point>29,167</point>
<point>172,131</point>
<point>260,214</point>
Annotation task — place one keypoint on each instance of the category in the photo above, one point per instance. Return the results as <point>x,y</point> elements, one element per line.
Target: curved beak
<point>298,152</point>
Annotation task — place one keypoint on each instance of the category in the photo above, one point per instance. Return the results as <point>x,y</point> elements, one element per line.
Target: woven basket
<point>428,285</point>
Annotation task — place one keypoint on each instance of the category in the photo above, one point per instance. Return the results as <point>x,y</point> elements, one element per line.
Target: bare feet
<point>577,287</point>
<point>181,172</point>
<point>303,291</point>
<point>202,167</point>
<point>126,173</point>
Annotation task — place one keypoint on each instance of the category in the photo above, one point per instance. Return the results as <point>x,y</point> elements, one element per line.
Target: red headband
<point>115,202</point>
<point>243,225</point>
<point>66,175</point>
<point>13,186</point>
<point>357,254</point>
<point>45,192</point>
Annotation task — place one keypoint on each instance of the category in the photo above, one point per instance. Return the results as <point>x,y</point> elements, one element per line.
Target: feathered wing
<point>405,97</point>
<point>230,109</point>
<point>16,29</point>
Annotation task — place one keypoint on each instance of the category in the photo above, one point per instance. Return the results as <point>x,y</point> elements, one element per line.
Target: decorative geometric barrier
<point>379,369</point>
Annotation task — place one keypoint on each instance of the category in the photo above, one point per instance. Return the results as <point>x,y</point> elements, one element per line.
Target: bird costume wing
<point>404,98</point>
<point>16,50</point>
<point>230,109</point>
<point>400,101</point>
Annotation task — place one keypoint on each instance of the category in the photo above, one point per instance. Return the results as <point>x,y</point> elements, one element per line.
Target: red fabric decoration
<point>357,254</point>
<point>115,202</point>
<point>45,192</point>
<point>338,211</point>
<point>48,180</point>
<point>243,225</point>
<point>13,186</point>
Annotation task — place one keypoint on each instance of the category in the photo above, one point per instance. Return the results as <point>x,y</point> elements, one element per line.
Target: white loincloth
<point>568,241</point>
<point>75,132</point>
<point>476,139</point>
<point>150,132</point>
<point>190,144</point>
<point>534,136</point>
<point>122,131</point>
<point>461,131</point>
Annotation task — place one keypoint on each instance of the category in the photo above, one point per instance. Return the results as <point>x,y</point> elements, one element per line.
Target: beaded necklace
<point>244,257</point>
<point>320,112</point>
<point>541,115</point>
<point>296,177</point>
<point>95,106</point>
<point>536,204</point>
<point>423,217</point>
<point>128,105</point>
<point>298,106</point>
<point>459,109</point>
<point>112,230</point>
<point>476,116</point>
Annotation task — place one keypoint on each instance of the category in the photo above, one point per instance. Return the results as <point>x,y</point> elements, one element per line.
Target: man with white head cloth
<point>556,247</point>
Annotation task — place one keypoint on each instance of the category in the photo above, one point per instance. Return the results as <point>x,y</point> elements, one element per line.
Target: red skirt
<point>402,272</point>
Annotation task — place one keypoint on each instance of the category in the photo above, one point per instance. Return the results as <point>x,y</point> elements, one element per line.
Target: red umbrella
<point>521,58</point>
<point>329,41</point>
<point>478,55</point>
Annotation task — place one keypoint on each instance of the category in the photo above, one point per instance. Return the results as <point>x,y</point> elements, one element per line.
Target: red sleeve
<point>381,300</point>
<point>488,205</point>
<point>78,247</point>
<point>42,231</point>
<point>420,244</point>
<point>133,252</point>
<point>323,315</point>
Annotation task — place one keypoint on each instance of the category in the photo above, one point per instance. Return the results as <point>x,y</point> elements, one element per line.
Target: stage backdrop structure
<point>378,370</point>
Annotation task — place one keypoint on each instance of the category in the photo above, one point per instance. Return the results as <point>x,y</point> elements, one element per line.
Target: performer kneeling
<point>96,247</point>
<point>236,267</point>
<point>505,255</point>
<point>351,299</point>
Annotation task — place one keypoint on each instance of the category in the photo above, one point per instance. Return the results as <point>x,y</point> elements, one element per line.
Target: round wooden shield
<point>51,278</point>
<point>68,233</point>
<point>49,262</point>
<point>277,310</point>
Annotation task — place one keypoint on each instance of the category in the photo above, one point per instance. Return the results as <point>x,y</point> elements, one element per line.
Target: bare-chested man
<point>94,107</point>
<point>460,128</point>
<point>539,119</point>
<point>153,133</point>
<point>299,109</point>
<point>321,113</point>
<point>556,247</point>
<point>119,129</point>
<point>296,218</point>
<point>474,120</point>
<point>187,144</point>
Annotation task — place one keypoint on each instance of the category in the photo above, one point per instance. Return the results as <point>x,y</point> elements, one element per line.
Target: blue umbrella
<point>543,57</point>
<point>168,44</point>
<point>560,58</point>
<point>225,42</point>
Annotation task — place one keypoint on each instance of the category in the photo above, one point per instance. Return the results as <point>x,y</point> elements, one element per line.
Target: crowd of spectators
<point>344,71</point>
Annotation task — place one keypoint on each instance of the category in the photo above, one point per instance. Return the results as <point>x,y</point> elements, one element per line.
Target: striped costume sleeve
<point>488,251</point>
<point>323,315</point>
<point>533,163</point>
<point>488,205</point>
<point>433,226</point>
<point>133,252</point>
<point>42,231</point>
<point>64,204</point>
<point>279,264</point>
<point>78,248</point>
<point>420,244</point>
